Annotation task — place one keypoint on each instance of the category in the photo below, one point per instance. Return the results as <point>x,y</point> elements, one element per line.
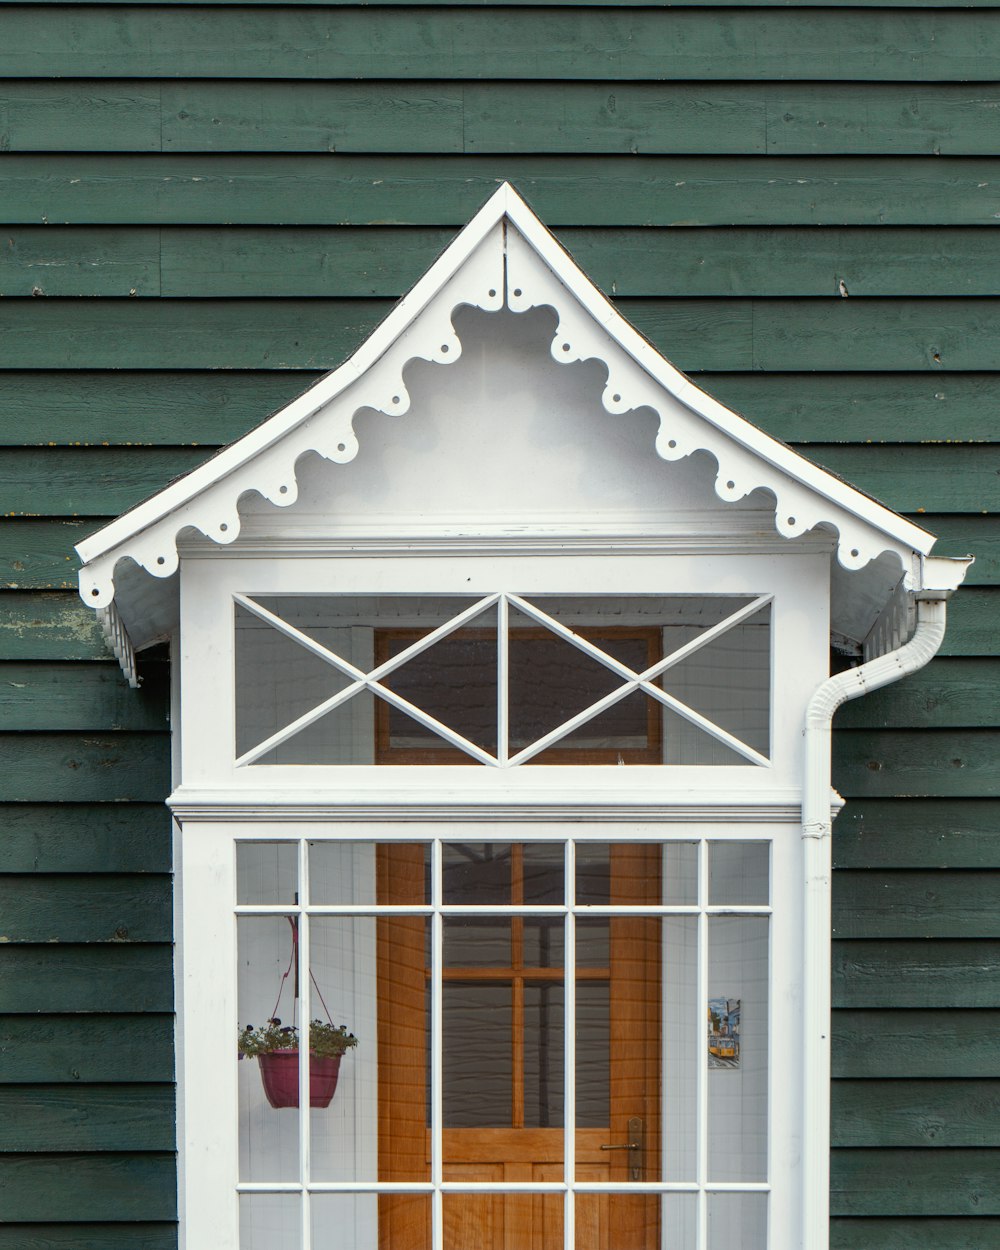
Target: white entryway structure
<point>502,657</point>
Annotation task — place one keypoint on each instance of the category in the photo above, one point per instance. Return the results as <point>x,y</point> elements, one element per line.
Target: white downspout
<point>818,863</point>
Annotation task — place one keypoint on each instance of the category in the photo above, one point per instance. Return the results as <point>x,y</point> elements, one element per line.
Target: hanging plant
<point>276,1047</point>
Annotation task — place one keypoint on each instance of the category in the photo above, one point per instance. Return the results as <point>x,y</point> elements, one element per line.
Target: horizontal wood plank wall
<point>206,206</point>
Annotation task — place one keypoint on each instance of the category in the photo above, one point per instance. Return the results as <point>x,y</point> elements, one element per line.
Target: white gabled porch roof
<point>504,257</point>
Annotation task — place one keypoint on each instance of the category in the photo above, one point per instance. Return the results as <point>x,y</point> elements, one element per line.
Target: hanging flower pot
<point>276,1048</point>
<point>279,1074</point>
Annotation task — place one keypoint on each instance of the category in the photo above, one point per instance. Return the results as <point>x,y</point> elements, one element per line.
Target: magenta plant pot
<point>279,1073</point>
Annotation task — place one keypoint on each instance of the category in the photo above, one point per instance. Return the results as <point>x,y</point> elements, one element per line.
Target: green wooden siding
<point>206,206</point>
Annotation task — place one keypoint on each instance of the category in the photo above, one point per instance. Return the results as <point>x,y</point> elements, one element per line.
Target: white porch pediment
<point>506,261</point>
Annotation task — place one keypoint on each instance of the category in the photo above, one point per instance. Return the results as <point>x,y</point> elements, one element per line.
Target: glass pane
<point>739,872</point>
<point>454,680</point>
<point>623,1084</point>
<point>542,941</point>
<point>277,679</point>
<point>680,1222</point>
<point>368,872</point>
<point>728,681</point>
<point>404,1033</point>
<point>681,1047</point>
<point>593,1054</point>
<point>270,1221</point>
<point>473,942</point>
<point>268,1127</point>
<point>680,873</point>
<point>619,873</point>
<point>593,943</point>
<point>619,1221</point>
<point>478,873</point>
<point>267,872</point>
<point>738,1048</point>
<point>478,1055</point>
<point>344,1221</point>
<point>627,732</point>
<point>488,1221</point>
<point>344,1060</point>
<point>345,735</point>
<point>404,1221</point>
<point>543,873</point>
<point>544,1009</point>
<point>737,1220</point>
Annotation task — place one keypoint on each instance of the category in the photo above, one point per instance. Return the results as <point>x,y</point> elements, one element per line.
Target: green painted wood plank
<point>915,1182</point>
<point>119,977</point>
<point>85,837</point>
<point>76,696</point>
<point>111,1187</point>
<point>970,1233</point>
<point>50,767</point>
<point>96,907</point>
<point>574,4</point>
<point>259,261</point>
<point>38,625</point>
<point>919,480</point>
<point>916,1113</point>
<point>823,334</point>
<point>367,42</point>
<point>894,1044</point>
<point>87,1117</point>
<point>101,116</point>
<point>129,1236</point>
<point>969,535</point>
<point>882,903</point>
<point>308,334</point>
<point>918,833</point>
<point>858,407</point>
<point>39,554</point>
<point>912,763</point>
<point>920,974</point>
<point>85,408</point>
<point>81,1049</point>
<point>953,693</point>
<point>973,623</point>
<point>702,117</point>
<point>360,262</point>
<point>83,261</point>
<point>153,407</point>
<point>344,189</point>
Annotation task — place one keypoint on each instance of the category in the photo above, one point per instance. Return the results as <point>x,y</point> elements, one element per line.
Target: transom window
<point>560,1043</point>
<point>503,681</point>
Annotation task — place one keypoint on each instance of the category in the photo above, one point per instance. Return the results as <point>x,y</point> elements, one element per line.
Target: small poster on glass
<point>723,1033</point>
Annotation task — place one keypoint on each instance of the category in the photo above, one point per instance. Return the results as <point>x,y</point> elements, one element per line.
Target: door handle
<point>636,1144</point>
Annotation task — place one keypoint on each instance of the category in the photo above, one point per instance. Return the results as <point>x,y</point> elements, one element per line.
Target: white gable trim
<point>490,266</point>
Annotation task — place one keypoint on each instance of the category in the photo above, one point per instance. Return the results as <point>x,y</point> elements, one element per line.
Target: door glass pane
<point>404,1047</point>
<point>497,1221</point>
<point>619,1221</point>
<point>476,942</point>
<point>368,872</point>
<point>543,1055</point>
<point>593,1052</point>
<point>479,873</point>
<point>351,1221</point>
<point>738,1048</point>
<point>478,1054</point>
<point>680,1222</point>
<point>680,873</point>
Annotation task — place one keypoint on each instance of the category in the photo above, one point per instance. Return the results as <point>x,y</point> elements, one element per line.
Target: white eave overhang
<point>504,257</point>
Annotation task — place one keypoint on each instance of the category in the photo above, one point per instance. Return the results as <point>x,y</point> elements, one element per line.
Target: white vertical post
<point>436,1044</point>
<point>503,666</point>
<point>701,1045</point>
<point>304,983</point>
<point>569,1048</point>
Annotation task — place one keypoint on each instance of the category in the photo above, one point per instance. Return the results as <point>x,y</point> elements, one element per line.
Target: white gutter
<point>818,864</point>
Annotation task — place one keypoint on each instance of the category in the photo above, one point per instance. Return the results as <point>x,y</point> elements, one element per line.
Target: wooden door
<point>513,1143</point>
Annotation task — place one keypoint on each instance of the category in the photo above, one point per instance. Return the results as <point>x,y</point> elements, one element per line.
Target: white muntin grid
<point>437,911</point>
<point>631,681</point>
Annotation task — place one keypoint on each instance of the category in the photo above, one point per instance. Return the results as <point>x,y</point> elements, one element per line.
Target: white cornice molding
<point>504,257</point>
